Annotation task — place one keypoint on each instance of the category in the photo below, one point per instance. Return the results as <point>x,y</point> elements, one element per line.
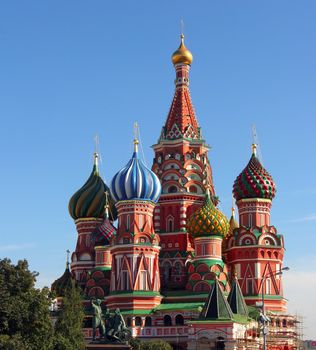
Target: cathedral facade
<point>155,244</point>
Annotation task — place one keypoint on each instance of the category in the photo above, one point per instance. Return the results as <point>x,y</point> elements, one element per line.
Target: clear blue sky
<point>71,69</point>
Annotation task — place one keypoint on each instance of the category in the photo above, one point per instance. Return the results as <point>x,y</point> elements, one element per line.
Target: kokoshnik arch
<point>174,264</point>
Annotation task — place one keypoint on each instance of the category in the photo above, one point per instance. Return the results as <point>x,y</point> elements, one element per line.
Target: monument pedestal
<point>109,346</point>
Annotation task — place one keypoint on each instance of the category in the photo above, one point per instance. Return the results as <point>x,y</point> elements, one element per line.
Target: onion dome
<point>254,181</point>
<point>207,221</point>
<point>64,282</point>
<point>135,181</point>
<point>103,233</point>
<point>182,55</point>
<point>90,199</point>
<point>232,222</point>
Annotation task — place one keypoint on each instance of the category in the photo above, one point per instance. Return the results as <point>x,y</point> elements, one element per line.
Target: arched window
<point>249,286</point>
<point>166,272</point>
<point>167,321</point>
<point>141,222</point>
<point>220,343</point>
<point>179,320</point>
<point>170,224</point>
<point>250,220</point>
<point>128,222</point>
<point>129,322</point>
<point>284,323</point>
<point>172,189</point>
<point>124,280</point>
<point>177,268</point>
<point>268,286</point>
<point>148,322</point>
<point>138,321</point>
<point>193,189</point>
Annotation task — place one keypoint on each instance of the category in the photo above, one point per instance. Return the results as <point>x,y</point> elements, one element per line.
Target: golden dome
<point>182,55</point>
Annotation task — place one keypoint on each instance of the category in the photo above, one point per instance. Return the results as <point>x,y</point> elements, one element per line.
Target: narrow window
<point>249,286</point>
<point>250,220</point>
<point>143,280</point>
<point>125,281</point>
<point>128,222</point>
<point>268,286</point>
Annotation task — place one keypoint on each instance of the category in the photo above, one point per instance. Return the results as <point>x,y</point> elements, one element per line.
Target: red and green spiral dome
<point>207,221</point>
<point>254,181</point>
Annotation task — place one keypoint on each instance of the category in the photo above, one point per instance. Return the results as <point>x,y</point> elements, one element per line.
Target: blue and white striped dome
<point>135,181</point>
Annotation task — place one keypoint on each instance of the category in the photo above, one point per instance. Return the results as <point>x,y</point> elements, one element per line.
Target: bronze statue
<point>113,329</point>
<point>97,321</point>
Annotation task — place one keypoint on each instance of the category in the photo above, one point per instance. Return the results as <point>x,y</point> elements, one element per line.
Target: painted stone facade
<point>171,248</point>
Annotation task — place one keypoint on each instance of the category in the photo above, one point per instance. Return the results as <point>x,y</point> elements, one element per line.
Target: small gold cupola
<point>182,55</point>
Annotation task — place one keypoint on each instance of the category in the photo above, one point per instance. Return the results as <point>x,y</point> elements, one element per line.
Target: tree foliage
<point>136,344</point>
<point>68,327</point>
<point>24,310</point>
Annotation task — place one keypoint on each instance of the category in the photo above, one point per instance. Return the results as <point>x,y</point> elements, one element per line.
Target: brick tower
<point>182,165</point>
<point>255,250</point>
<point>135,278</point>
<point>87,208</point>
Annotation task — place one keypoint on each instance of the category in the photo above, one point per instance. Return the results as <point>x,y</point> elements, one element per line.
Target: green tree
<point>25,322</point>
<point>68,327</point>
<point>137,344</point>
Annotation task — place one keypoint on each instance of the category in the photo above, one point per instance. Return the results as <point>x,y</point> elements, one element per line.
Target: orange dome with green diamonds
<point>208,221</point>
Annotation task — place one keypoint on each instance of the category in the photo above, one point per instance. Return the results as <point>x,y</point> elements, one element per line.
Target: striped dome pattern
<point>90,199</point>
<point>135,181</point>
<point>254,182</point>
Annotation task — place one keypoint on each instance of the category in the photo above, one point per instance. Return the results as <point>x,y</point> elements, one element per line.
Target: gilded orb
<point>182,55</point>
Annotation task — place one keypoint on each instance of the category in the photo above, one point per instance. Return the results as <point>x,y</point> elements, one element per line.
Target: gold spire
<point>106,207</point>
<point>136,142</point>
<point>254,149</point>
<point>136,133</point>
<point>182,55</point>
<point>67,261</point>
<point>96,162</point>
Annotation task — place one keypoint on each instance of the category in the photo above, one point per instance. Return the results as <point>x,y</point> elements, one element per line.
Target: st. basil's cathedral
<point>155,245</point>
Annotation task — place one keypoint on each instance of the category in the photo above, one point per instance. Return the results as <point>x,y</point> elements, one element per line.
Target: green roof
<point>236,300</point>
<point>216,306</point>
<point>136,293</point>
<point>179,306</point>
<point>136,312</point>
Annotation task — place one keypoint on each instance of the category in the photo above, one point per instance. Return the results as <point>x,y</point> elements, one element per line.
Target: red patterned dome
<point>254,181</point>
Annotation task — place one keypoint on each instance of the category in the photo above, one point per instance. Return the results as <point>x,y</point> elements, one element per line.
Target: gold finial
<point>106,206</point>
<point>233,207</point>
<point>182,55</point>
<point>67,261</point>
<point>254,149</point>
<point>136,133</point>
<point>96,162</point>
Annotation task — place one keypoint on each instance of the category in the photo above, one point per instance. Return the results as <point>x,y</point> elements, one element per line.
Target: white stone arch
<point>85,257</point>
<point>248,236</point>
<point>267,236</point>
<point>167,188</point>
<point>170,223</point>
<point>211,334</point>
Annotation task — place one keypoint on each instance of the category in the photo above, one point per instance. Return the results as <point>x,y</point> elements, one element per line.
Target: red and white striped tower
<point>255,250</point>
<point>135,278</point>
<point>182,165</point>
<point>86,207</point>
